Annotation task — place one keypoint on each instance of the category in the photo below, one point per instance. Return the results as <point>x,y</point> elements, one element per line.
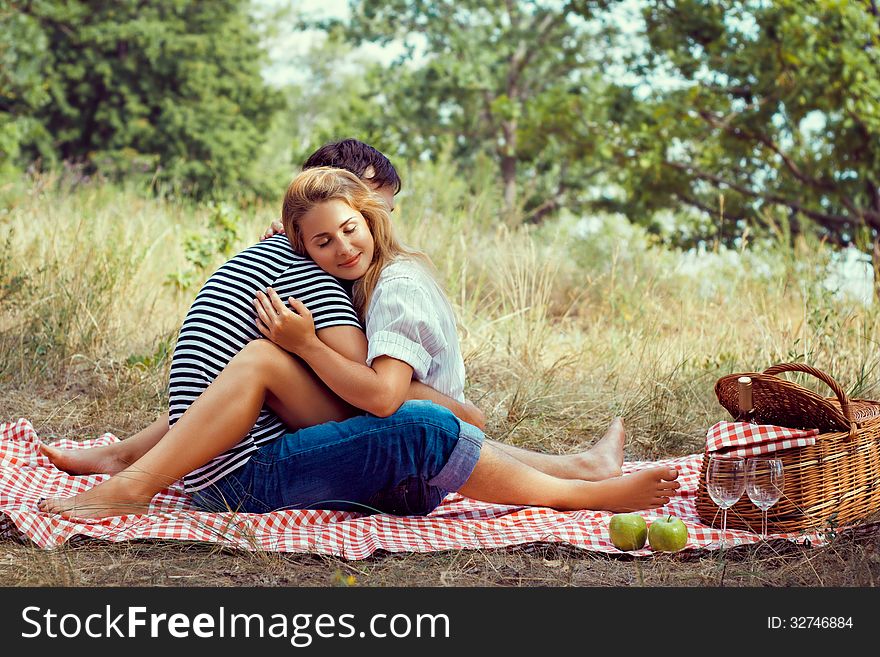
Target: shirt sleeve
<point>322,294</point>
<point>404,325</point>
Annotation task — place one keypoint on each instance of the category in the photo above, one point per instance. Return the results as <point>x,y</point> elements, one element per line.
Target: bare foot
<point>107,459</point>
<point>604,459</point>
<point>646,489</point>
<point>118,496</point>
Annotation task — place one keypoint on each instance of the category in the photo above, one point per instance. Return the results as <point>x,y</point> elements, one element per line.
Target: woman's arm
<point>351,343</point>
<point>379,389</point>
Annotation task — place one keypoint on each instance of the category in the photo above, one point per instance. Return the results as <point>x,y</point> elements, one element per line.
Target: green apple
<point>628,531</point>
<point>668,534</point>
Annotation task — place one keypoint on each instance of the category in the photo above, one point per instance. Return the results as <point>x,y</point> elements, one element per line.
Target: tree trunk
<point>508,176</point>
<point>508,165</point>
<point>875,265</point>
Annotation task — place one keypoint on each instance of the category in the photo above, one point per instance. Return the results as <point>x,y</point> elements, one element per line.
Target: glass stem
<point>764,524</point>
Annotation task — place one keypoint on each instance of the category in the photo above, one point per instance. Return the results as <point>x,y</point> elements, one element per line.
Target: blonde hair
<point>321,184</point>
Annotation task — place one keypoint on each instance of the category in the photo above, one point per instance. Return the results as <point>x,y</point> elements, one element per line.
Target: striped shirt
<point>222,320</point>
<point>409,318</point>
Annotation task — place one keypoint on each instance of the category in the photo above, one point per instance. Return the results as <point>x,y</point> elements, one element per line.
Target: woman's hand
<point>292,330</point>
<point>275,228</point>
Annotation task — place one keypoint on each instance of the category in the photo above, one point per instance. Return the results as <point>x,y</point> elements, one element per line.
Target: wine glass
<point>725,483</point>
<point>764,482</point>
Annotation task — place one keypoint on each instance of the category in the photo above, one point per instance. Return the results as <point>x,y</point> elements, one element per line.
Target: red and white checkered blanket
<point>458,523</point>
<point>745,439</point>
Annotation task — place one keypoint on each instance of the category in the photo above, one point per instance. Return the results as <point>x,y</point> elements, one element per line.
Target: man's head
<point>362,160</point>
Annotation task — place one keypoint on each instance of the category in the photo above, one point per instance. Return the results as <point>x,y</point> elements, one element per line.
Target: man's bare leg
<point>602,461</point>
<point>217,420</point>
<point>108,459</point>
<point>502,479</point>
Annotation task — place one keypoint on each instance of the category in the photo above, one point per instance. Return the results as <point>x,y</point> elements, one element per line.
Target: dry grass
<point>561,331</point>
<point>849,561</point>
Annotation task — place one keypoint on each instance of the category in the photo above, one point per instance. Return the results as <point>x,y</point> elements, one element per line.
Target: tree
<point>23,71</point>
<point>777,104</point>
<point>512,80</point>
<point>168,87</point>
<point>334,98</point>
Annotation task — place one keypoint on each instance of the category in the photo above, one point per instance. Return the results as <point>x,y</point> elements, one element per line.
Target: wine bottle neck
<point>745,401</point>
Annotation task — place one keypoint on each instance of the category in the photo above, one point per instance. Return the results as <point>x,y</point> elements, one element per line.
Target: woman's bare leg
<point>502,479</point>
<point>216,421</point>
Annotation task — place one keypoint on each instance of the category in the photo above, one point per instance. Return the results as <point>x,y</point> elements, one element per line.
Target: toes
<point>51,506</point>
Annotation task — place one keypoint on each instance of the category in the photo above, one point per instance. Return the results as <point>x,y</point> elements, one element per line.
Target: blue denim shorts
<point>404,464</point>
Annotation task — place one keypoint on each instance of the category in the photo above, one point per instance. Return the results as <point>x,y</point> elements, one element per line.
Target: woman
<point>403,463</point>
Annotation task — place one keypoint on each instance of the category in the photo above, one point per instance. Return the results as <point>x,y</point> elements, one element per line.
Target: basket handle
<point>831,383</point>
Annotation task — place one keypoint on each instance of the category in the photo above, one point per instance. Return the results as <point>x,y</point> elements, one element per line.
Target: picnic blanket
<point>458,523</point>
<point>745,439</point>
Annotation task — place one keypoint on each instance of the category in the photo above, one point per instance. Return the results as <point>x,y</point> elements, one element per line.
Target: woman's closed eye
<point>347,231</point>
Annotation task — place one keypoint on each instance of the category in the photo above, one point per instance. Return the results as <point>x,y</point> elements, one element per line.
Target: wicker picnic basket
<point>835,482</point>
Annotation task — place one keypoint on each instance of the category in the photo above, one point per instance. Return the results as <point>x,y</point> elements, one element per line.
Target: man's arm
<point>464,411</point>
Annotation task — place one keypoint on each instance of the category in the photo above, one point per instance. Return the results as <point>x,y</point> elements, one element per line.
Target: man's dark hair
<point>357,157</point>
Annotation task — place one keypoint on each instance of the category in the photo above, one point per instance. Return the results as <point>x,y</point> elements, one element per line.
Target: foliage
<point>203,248</point>
<point>23,88</point>
<point>12,283</point>
<point>772,104</point>
<point>170,90</point>
<point>512,81</point>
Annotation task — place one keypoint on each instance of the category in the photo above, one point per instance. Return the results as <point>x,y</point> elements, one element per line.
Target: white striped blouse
<point>409,318</point>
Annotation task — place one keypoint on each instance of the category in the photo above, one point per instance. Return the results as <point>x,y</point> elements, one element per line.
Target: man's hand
<point>292,330</point>
<point>475,416</point>
<point>275,228</point>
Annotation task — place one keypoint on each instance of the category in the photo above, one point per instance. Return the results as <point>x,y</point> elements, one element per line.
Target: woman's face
<point>338,239</point>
